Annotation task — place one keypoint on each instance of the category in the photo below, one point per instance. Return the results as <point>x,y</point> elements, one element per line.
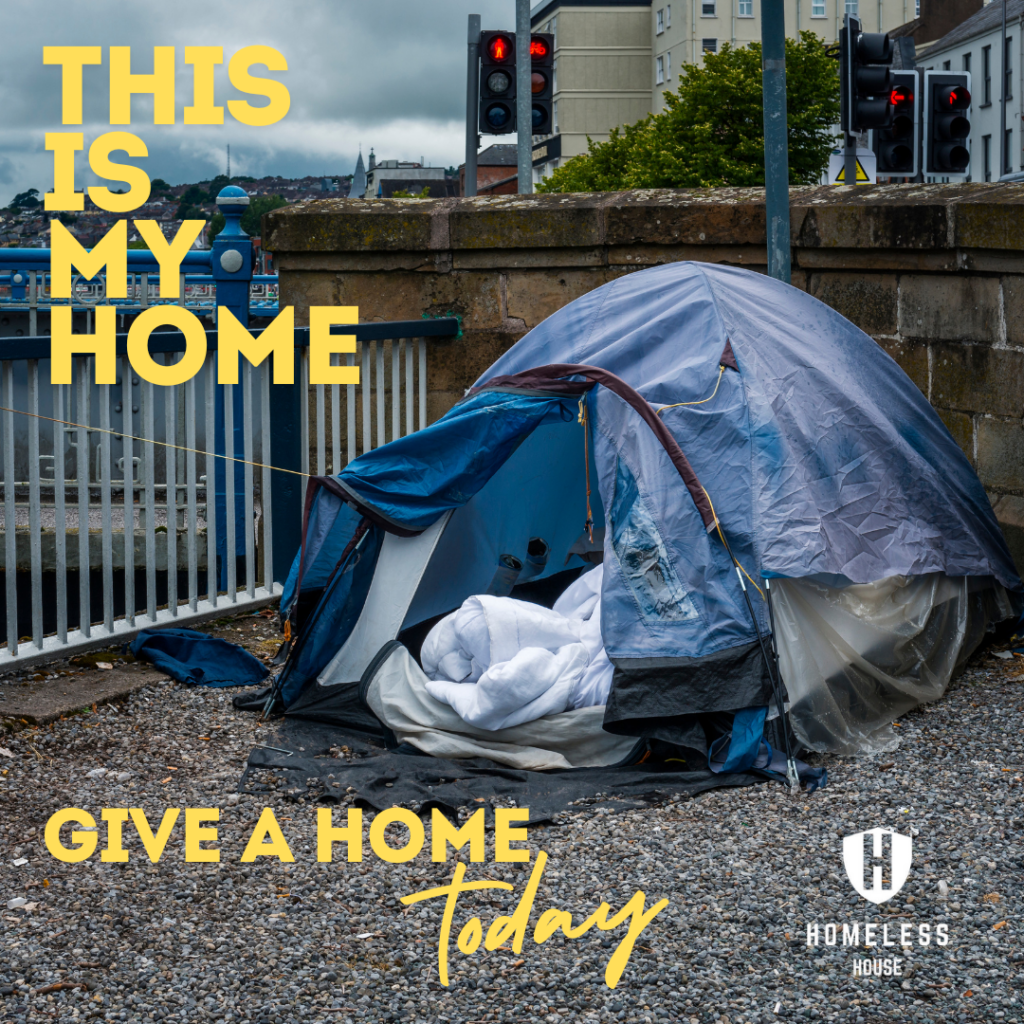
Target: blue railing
<point>221,275</point>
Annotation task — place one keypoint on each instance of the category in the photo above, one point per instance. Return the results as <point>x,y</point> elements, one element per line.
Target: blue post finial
<point>232,202</point>
<point>231,256</point>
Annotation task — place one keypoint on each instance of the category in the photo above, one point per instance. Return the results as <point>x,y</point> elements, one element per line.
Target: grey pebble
<point>745,870</point>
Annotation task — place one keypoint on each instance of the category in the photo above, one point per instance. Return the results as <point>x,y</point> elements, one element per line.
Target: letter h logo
<point>855,859</point>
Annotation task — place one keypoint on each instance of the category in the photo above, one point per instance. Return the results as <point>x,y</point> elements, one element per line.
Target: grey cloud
<point>390,74</point>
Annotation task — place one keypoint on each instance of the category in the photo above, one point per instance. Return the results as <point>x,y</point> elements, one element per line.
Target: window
<point>668,16</point>
<point>1008,67</point>
<point>668,67</point>
<point>986,77</point>
<point>986,149</point>
<point>659,20</point>
<point>1008,158</point>
<point>708,9</point>
<point>659,70</point>
<point>917,8</point>
<point>817,8</point>
<point>946,65</point>
<point>709,45</point>
<point>851,7</point>
<point>967,63</point>
<point>746,9</point>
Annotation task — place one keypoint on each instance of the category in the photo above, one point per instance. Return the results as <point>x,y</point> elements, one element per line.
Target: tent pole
<point>792,776</point>
<point>791,772</point>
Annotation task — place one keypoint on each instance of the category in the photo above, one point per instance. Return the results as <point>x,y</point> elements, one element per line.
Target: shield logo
<point>897,863</point>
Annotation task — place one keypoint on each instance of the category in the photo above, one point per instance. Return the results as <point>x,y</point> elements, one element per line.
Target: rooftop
<point>988,19</point>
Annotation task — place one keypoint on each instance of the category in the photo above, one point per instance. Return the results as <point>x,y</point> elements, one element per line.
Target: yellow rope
<point>718,524</point>
<point>589,524</point>
<point>721,370</point>
<point>146,440</point>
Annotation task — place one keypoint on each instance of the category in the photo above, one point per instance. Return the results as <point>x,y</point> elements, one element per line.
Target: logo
<point>896,864</point>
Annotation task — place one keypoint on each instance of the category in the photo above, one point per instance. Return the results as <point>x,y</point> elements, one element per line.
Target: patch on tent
<point>643,557</point>
<point>728,357</point>
<point>657,697</point>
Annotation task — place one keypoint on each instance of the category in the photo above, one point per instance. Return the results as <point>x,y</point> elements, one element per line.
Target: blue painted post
<point>232,267</point>
<point>776,138</point>
<point>19,282</point>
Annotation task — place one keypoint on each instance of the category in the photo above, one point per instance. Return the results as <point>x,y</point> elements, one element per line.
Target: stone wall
<point>934,273</point>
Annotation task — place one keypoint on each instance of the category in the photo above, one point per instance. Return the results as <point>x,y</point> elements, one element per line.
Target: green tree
<point>188,203</point>
<point>251,219</point>
<point>402,193</point>
<point>712,130</point>
<point>26,200</point>
<point>216,185</point>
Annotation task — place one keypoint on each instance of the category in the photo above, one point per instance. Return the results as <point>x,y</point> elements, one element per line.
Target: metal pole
<point>1002,103</point>
<point>850,144</point>
<point>776,148</point>
<point>472,103</point>
<point>524,98</point>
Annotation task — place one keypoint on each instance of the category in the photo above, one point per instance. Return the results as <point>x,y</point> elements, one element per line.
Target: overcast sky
<point>390,74</point>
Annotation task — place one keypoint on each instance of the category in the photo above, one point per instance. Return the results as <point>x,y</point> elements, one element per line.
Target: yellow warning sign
<point>862,175</point>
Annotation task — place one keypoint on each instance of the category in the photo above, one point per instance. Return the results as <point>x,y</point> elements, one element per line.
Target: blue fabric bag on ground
<point>197,659</point>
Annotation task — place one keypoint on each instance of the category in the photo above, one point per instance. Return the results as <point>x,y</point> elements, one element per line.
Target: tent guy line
<point>146,440</point>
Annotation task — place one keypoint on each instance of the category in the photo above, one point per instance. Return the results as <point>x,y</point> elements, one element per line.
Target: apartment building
<point>615,59</point>
<point>978,46</point>
<point>602,73</point>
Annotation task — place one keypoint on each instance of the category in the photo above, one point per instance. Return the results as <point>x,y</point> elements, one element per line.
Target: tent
<point>784,524</point>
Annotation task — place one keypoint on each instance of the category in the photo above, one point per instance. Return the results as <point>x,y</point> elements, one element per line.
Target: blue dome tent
<point>783,521</point>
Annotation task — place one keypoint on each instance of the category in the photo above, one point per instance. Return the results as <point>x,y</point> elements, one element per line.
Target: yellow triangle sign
<point>861,175</point>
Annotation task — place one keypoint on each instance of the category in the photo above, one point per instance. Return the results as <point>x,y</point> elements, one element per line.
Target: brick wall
<point>935,273</point>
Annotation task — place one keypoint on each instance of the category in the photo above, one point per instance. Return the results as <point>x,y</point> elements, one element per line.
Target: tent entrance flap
<point>400,568</point>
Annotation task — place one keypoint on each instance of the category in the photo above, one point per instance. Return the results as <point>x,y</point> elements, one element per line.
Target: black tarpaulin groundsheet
<point>309,755</point>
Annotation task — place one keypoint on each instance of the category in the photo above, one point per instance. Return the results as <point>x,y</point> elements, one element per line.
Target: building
<point>494,164</point>
<point>935,19</point>
<point>614,60</point>
<point>358,187</point>
<point>977,46</point>
<point>437,188</point>
<point>395,169</point>
<point>602,73</point>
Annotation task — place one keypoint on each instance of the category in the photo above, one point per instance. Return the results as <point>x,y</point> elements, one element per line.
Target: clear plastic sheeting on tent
<point>855,658</point>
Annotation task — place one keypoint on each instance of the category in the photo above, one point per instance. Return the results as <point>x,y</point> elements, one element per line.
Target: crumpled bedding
<point>499,662</point>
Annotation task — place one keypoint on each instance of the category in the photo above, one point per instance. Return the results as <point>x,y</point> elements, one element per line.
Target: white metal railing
<point>117,482</point>
<point>121,491</point>
<point>390,401</point>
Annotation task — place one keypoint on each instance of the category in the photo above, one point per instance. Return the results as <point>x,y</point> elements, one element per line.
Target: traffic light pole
<point>850,160</point>
<point>472,102</point>
<point>776,143</point>
<point>524,97</point>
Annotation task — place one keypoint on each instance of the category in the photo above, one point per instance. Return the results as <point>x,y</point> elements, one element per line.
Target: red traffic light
<point>538,48</point>
<point>955,97</point>
<point>500,48</point>
<point>901,95</point>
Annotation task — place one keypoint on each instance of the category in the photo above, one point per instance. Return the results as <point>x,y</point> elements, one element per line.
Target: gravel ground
<point>745,872</point>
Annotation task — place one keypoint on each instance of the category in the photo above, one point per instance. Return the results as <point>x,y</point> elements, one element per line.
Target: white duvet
<point>499,662</point>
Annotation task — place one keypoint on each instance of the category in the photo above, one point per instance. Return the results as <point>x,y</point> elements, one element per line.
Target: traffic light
<point>497,83</point>
<point>896,147</point>
<point>947,126</point>
<point>542,81</point>
<point>865,78</point>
